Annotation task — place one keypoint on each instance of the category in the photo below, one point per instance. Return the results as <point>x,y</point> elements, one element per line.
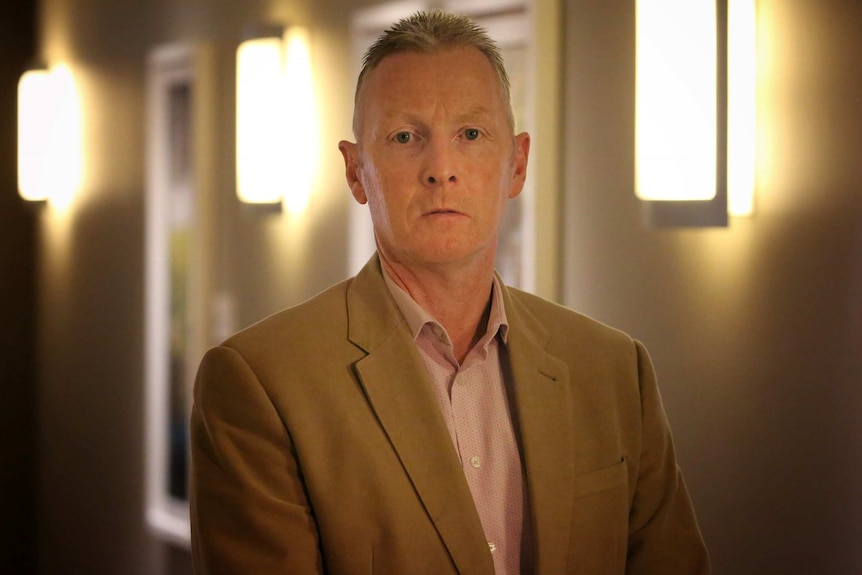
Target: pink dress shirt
<point>475,406</point>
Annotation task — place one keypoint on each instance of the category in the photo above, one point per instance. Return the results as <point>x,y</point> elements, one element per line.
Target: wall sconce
<point>276,136</point>
<point>49,135</point>
<point>695,102</point>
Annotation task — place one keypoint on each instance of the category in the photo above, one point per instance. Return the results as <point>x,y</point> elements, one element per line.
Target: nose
<point>439,166</point>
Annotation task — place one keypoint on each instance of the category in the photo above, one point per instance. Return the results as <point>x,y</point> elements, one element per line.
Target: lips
<point>444,211</point>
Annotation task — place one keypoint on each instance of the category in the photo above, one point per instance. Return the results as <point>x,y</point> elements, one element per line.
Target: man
<point>422,418</point>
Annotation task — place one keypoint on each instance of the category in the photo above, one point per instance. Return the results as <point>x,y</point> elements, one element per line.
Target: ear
<point>350,152</point>
<point>519,164</point>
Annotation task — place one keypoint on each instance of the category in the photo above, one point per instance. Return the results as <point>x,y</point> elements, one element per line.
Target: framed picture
<point>508,23</point>
<point>177,201</point>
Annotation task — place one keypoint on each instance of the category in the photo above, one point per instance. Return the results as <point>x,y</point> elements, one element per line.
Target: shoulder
<point>562,325</point>
<point>319,321</point>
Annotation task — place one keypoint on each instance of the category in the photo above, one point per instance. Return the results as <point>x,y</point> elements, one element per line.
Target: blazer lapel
<point>397,387</point>
<point>543,403</point>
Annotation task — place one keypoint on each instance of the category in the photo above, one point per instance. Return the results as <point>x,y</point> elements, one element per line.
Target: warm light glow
<point>742,103</point>
<point>676,100</point>
<point>276,121</point>
<point>49,136</point>
<point>261,119</point>
<point>301,135</point>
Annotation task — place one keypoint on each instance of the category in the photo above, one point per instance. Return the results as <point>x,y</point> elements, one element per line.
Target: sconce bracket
<point>700,214</point>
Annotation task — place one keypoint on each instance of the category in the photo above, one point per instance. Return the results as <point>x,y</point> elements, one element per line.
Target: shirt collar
<point>417,317</point>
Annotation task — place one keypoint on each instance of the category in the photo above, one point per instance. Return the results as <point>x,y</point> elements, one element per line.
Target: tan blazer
<point>318,447</point>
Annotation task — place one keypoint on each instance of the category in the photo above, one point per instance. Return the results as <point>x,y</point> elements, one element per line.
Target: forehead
<point>413,79</point>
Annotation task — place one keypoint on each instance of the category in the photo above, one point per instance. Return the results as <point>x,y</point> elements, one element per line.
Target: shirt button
<point>476,462</point>
<point>492,546</point>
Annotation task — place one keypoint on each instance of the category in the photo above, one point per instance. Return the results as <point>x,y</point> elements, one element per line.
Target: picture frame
<point>178,191</point>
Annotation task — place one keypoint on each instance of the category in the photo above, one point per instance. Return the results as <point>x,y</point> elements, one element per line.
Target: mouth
<point>443,211</point>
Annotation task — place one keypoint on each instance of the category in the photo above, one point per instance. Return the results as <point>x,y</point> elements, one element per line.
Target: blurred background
<point>755,328</point>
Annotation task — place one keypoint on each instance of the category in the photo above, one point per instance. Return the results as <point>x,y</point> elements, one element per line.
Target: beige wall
<point>754,328</point>
<point>91,261</point>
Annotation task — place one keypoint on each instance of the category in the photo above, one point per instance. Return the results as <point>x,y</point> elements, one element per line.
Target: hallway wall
<point>755,330</point>
<point>91,258</point>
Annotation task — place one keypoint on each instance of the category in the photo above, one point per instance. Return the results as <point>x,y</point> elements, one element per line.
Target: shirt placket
<point>467,401</point>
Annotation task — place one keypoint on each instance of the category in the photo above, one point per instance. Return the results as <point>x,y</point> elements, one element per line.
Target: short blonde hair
<point>430,32</point>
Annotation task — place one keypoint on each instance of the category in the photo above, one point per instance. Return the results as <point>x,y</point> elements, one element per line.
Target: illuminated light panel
<point>301,135</point>
<point>261,122</point>
<point>49,136</point>
<point>276,121</point>
<point>741,106</point>
<point>676,100</point>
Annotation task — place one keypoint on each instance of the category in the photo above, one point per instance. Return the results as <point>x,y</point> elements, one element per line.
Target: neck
<point>458,296</point>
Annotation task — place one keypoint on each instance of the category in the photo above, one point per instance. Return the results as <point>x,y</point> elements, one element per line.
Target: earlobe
<point>350,153</point>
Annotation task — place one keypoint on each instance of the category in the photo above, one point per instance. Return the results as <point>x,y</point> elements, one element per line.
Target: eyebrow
<point>480,112</point>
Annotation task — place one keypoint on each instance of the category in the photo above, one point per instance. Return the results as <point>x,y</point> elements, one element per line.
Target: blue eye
<point>403,137</point>
<point>472,134</point>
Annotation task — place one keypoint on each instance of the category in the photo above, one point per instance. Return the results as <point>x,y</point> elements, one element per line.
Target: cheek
<point>388,191</point>
<point>495,179</point>
<point>376,205</point>
<point>382,207</point>
<point>371,182</point>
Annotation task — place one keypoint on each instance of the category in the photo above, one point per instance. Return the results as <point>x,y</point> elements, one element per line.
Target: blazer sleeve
<point>249,510</point>
<point>663,532</point>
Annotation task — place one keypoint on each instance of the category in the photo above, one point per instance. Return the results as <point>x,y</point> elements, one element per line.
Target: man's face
<point>435,159</point>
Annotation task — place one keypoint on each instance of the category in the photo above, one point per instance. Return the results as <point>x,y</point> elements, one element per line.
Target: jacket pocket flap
<point>601,480</point>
